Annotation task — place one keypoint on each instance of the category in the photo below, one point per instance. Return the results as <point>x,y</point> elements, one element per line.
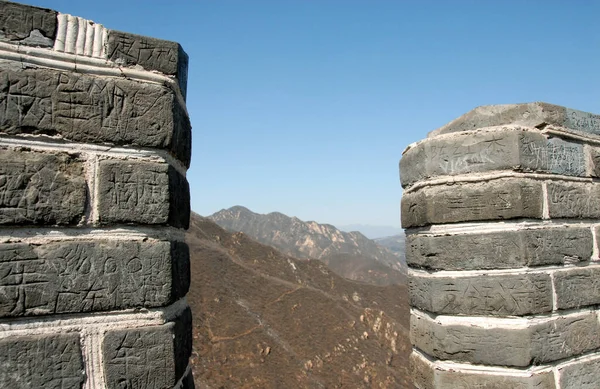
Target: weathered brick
<point>574,200</point>
<point>490,200</point>
<point>483,151</point>
<point>85,276</point>
<point>85,108</point>
<point>529,114</point>
<point>38,188</point>
<point>151,53</point>
<point>142,192</point>
<point>577,287</point>
<point>430,374</point>
<point>482,294</point>
<point>518,342</point>
<point>41,361</point>
<point>583,373</point>
<point>148,357</point>
<point>499,250</point>
<point>19,21</point>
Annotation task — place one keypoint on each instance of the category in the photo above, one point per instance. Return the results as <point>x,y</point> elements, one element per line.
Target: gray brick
<point>18,21</point>
<point>142,192</point>
<point>431,375</point>
<point>527,342</point>
<point>84,108</point>
<point>148,357</point>
<point>580,374</point>
<point>150,53</point>
<point>87,276</point>
<point>499,250</point>
<point>574,200</point>
<point>38,188</point>
<point>536,114</point>
<point>577,287</point>
<point>491,200</point>
<point>482,294</point>
<point>486,151</point>
<point>41,361</point>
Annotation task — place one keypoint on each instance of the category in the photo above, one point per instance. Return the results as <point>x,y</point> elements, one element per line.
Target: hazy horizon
<point>305,107</point>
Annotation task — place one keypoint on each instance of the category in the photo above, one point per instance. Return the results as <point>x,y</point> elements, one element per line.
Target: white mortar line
<point>54,234</point>
<point>91,347</point>
<point>497,272</point>
<point>545,208</point>
<point>589,165</point>
<point>94,191</point>
<point>595,254</point>
<point>563,132</point>
<point>499,226</point>
<point>554,294</point>
<point>555,373</point>
<point>491,176</point>
<point>57,145</point>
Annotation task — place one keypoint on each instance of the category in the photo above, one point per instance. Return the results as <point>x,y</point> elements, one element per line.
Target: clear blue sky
<point>305,106</point>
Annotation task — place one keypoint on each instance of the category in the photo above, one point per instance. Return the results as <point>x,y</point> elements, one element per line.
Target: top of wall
<point>39,27</point>
<point>536,114</point>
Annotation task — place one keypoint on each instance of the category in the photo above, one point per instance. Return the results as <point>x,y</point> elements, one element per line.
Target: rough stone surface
<point>142,192</point>
<point>85,276</point>
<point>18,21</point>
<point>577,287</point>
<point>574,200</point>
<point>429,375</point>
<point>41,361</point>
<point>38,188</point>
<point>484,151</point>
<point>536,114</point>
<point>149,357</point>
<point>494,295</point>
<point>580,374</point>
<point>501,345</point>
<point>499,250</point>
<point>150,53</point>
<point>84,108</point>
<point>491,200</point>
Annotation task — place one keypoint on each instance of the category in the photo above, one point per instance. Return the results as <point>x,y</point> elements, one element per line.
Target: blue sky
<point>304,106</point>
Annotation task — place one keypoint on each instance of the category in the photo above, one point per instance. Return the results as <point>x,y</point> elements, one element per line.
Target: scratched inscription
<point>582,121</point>
<point>85,276</point>
<point>552,156</point>
<point>140,359</point>
<point>17,21</point>
<point>37,188</point>
<point>134,192</point>
<point>491,295</point>
<point>573,200</point>
<point>84,108</point>
<point>41,361</point>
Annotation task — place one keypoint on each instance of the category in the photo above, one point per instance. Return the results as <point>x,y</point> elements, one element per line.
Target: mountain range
<point>263,319</point>
<point>350,254</point>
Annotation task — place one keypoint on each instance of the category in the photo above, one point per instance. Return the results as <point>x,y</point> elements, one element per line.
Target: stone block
<point>39,188</point>
<point>148,357</point>
<point>481,294</point>
<point>486,151</point>
<point>518,342</point>
<point>431,374</point>
<point>86,276</point>
<point>142,192</point>
<point>41,361</point>
<point>150,53</point>
<point>499,199</point>
<point>574,200</point>
<point>536,114</point>
<point>583,373</point>
<point>28,25</point>
<point>499,250</point>
<point>577,287</point>
<point>84,108</point>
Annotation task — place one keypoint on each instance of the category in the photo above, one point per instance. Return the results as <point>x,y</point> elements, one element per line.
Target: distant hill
<point>372,232</point>
<point>395,244</point>
<point>266,320</point>
<point>370,262</point>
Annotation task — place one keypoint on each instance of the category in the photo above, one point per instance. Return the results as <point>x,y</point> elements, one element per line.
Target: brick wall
<point>502,213</point>
<point>95,142</point>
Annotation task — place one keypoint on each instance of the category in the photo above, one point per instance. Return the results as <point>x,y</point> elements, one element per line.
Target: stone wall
<point>95,142</point>
<point>502,213</point>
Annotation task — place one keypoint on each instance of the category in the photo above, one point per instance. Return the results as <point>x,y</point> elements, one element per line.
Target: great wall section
<point>502,211</point>
<point>95,142</point>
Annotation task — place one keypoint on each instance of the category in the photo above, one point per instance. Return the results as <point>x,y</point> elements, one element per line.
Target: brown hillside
<point>266,320</point>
